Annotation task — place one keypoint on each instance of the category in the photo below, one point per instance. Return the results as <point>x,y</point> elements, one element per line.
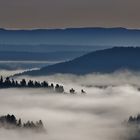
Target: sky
<point>25,14</point>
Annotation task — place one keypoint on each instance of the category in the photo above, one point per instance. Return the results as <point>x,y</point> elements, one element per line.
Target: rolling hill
<point>103,61</point>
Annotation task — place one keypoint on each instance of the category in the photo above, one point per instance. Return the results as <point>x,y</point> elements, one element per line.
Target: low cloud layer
<point>97,115</point>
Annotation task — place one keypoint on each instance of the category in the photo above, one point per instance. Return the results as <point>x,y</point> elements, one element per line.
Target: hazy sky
<point>69,13</point>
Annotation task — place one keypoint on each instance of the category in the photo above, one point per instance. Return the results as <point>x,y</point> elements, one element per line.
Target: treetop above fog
<point>11,122</point>
<point>11,83</point>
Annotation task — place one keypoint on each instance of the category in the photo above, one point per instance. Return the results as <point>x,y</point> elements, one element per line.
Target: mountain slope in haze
<point>46,48</point>
<point>103,61</point>
<point>39,56</point>
<point>72,36</point>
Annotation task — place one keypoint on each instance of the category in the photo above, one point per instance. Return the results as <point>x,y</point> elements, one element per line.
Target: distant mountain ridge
<point>103,61</point>
<point>72,36</point>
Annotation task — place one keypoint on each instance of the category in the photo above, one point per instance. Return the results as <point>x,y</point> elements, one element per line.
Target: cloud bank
<point>97,115</point>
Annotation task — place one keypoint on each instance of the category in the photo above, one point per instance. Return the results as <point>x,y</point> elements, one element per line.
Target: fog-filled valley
<point>24,65</point>
<point>99,114</point>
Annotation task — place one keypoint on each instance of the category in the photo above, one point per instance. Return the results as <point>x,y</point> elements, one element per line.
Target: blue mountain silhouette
<point>72,36</point>
<point>103,61</point>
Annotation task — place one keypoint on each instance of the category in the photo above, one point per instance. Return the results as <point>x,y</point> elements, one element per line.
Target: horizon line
<point>67,28</point>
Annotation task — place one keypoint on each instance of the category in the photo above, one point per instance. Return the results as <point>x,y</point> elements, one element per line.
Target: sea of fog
<point>8,68</point>
<point>98,115</point>
<point>24,65</point>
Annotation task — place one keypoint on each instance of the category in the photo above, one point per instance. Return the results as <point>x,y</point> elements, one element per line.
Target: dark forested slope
<point>103,61</point>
